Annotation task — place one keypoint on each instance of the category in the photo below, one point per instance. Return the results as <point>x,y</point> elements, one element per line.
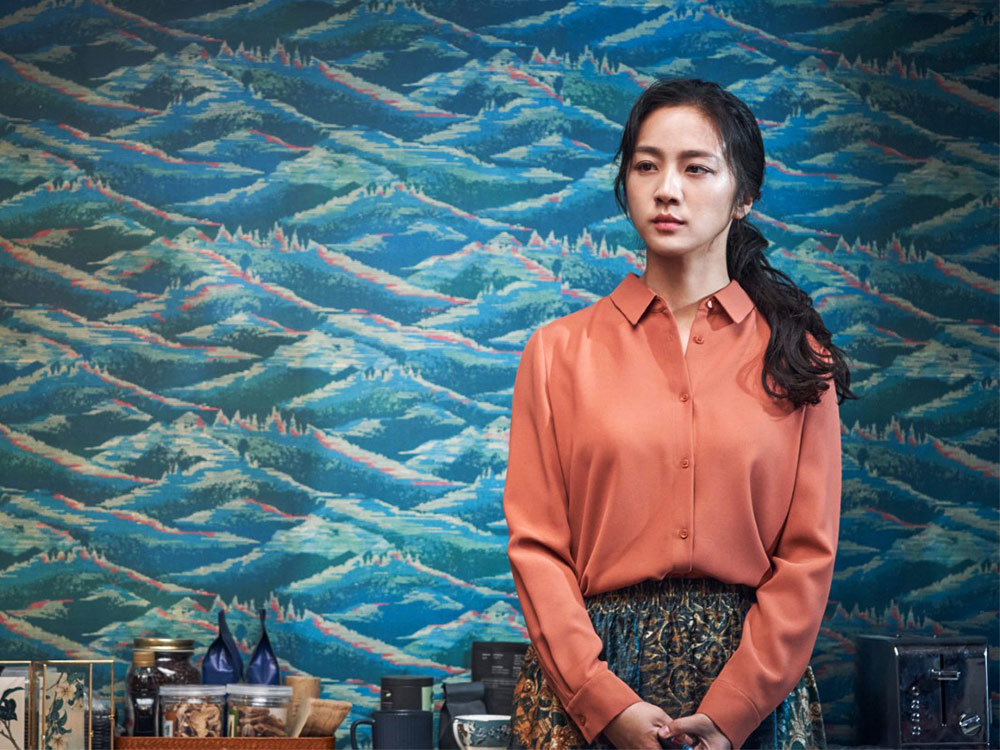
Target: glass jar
<point>192,710</point>
<point>141,691</point>
<point>258,710</point>
<point>173,659</point>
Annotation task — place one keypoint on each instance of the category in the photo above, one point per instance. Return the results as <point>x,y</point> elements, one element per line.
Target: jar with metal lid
<point>173,659</point>
<point>192,710</point>
<point>258,710</point>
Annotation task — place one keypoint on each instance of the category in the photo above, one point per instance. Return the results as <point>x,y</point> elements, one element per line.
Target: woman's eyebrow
<point>689,154</point>
<point>697,154</point>
<point>649,150</point>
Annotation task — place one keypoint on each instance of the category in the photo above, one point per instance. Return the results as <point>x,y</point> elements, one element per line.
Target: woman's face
<point>679,187</point>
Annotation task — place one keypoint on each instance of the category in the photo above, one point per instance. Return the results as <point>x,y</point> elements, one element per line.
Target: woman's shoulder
<point>567,328</point>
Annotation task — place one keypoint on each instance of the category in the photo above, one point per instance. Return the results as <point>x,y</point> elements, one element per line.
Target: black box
<point>497,664</point>
<point>914,692</point>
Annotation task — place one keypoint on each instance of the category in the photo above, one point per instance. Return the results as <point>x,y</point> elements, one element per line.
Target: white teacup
<point>481,731</point>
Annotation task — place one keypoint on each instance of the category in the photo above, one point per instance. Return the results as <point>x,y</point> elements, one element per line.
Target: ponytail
<point>801,358</point>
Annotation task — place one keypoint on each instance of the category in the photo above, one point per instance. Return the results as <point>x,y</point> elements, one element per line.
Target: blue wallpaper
<point>266,270</point>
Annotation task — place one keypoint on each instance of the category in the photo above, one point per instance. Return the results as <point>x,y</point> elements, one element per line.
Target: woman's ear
<point>742,210</point>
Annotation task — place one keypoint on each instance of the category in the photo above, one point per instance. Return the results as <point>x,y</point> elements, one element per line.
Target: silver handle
<point>946,674</point>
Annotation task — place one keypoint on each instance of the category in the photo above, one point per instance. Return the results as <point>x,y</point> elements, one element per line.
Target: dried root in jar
<point>256,721</point>
<point>190,719</point>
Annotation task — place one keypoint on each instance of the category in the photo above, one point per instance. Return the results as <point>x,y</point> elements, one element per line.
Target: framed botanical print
<point>74,706</point>
<point>16,705</point>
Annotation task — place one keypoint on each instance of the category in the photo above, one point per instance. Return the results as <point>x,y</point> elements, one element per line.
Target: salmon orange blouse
<point>630,460</point>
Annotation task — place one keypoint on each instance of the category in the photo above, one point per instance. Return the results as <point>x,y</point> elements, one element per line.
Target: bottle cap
<point>163,644</point>
<point>143,658</point>
<point>259,691</point>
<point>192,691</point>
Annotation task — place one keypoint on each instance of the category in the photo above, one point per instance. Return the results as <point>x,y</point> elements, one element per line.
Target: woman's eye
<point>698,169</point>
<point>645,166</point>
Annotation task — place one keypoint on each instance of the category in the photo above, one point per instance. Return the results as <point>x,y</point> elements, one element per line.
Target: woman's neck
<point>683,285</point>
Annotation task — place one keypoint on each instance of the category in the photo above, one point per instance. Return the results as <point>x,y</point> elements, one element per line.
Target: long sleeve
<point>780,629</point>
<point>535,504</point>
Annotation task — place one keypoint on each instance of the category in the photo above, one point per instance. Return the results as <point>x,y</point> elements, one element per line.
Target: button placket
<point>671,360</point>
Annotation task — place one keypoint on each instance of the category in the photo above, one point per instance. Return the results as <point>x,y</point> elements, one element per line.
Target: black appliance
<point>497,664</point>
<point>914,692</point>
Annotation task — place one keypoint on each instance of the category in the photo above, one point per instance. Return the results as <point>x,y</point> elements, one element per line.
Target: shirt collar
<point>735,301</point>
<point>632,298</point>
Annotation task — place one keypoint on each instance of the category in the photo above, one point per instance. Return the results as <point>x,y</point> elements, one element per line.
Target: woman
<point>673,488</point>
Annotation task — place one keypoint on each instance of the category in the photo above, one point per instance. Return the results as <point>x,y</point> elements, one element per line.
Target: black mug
<point>398,730</point>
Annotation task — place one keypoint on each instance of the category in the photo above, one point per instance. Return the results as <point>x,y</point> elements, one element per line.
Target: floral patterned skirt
<point>667,640</point>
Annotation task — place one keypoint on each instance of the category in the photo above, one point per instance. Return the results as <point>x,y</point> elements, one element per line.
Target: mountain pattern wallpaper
<point>266,270</point>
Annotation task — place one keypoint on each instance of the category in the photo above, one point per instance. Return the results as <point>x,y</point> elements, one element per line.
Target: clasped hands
<point>641,726</point>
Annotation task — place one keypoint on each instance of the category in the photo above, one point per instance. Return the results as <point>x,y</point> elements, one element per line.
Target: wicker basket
<point>225,743</point>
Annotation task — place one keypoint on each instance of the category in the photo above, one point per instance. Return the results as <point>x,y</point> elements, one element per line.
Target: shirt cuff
<point>600,700</point>
<point>733,713</point>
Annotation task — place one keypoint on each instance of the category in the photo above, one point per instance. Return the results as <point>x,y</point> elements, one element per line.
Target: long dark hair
<point>794,367</point>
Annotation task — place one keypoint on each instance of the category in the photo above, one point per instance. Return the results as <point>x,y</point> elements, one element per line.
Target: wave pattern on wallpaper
<point>266,270</point>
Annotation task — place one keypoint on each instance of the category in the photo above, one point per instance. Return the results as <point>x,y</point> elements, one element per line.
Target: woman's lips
<point>667,223</point>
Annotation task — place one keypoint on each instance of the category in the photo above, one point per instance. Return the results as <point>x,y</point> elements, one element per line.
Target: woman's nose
<point>668,187</point>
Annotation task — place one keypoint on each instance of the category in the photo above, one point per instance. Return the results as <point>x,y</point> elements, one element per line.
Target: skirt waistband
<point>651,593</point>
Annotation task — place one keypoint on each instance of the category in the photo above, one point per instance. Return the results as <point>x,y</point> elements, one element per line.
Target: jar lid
<point>260,691</point>
<point>192,691</point>
<point>143,658</point>
<point>163,644</point>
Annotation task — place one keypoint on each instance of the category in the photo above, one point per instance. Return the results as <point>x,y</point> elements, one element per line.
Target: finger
<point>684,730</point>
<point>693,723</point>
<point>676,743</point>
<point>664,717</point>
<point>681,741</point>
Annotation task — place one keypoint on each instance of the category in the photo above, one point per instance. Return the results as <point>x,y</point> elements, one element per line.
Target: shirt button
<point>684,397</point>
<point>683,533</point>
<point>699,339</point>
<point>685,463</point>
<point>709,304</point>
